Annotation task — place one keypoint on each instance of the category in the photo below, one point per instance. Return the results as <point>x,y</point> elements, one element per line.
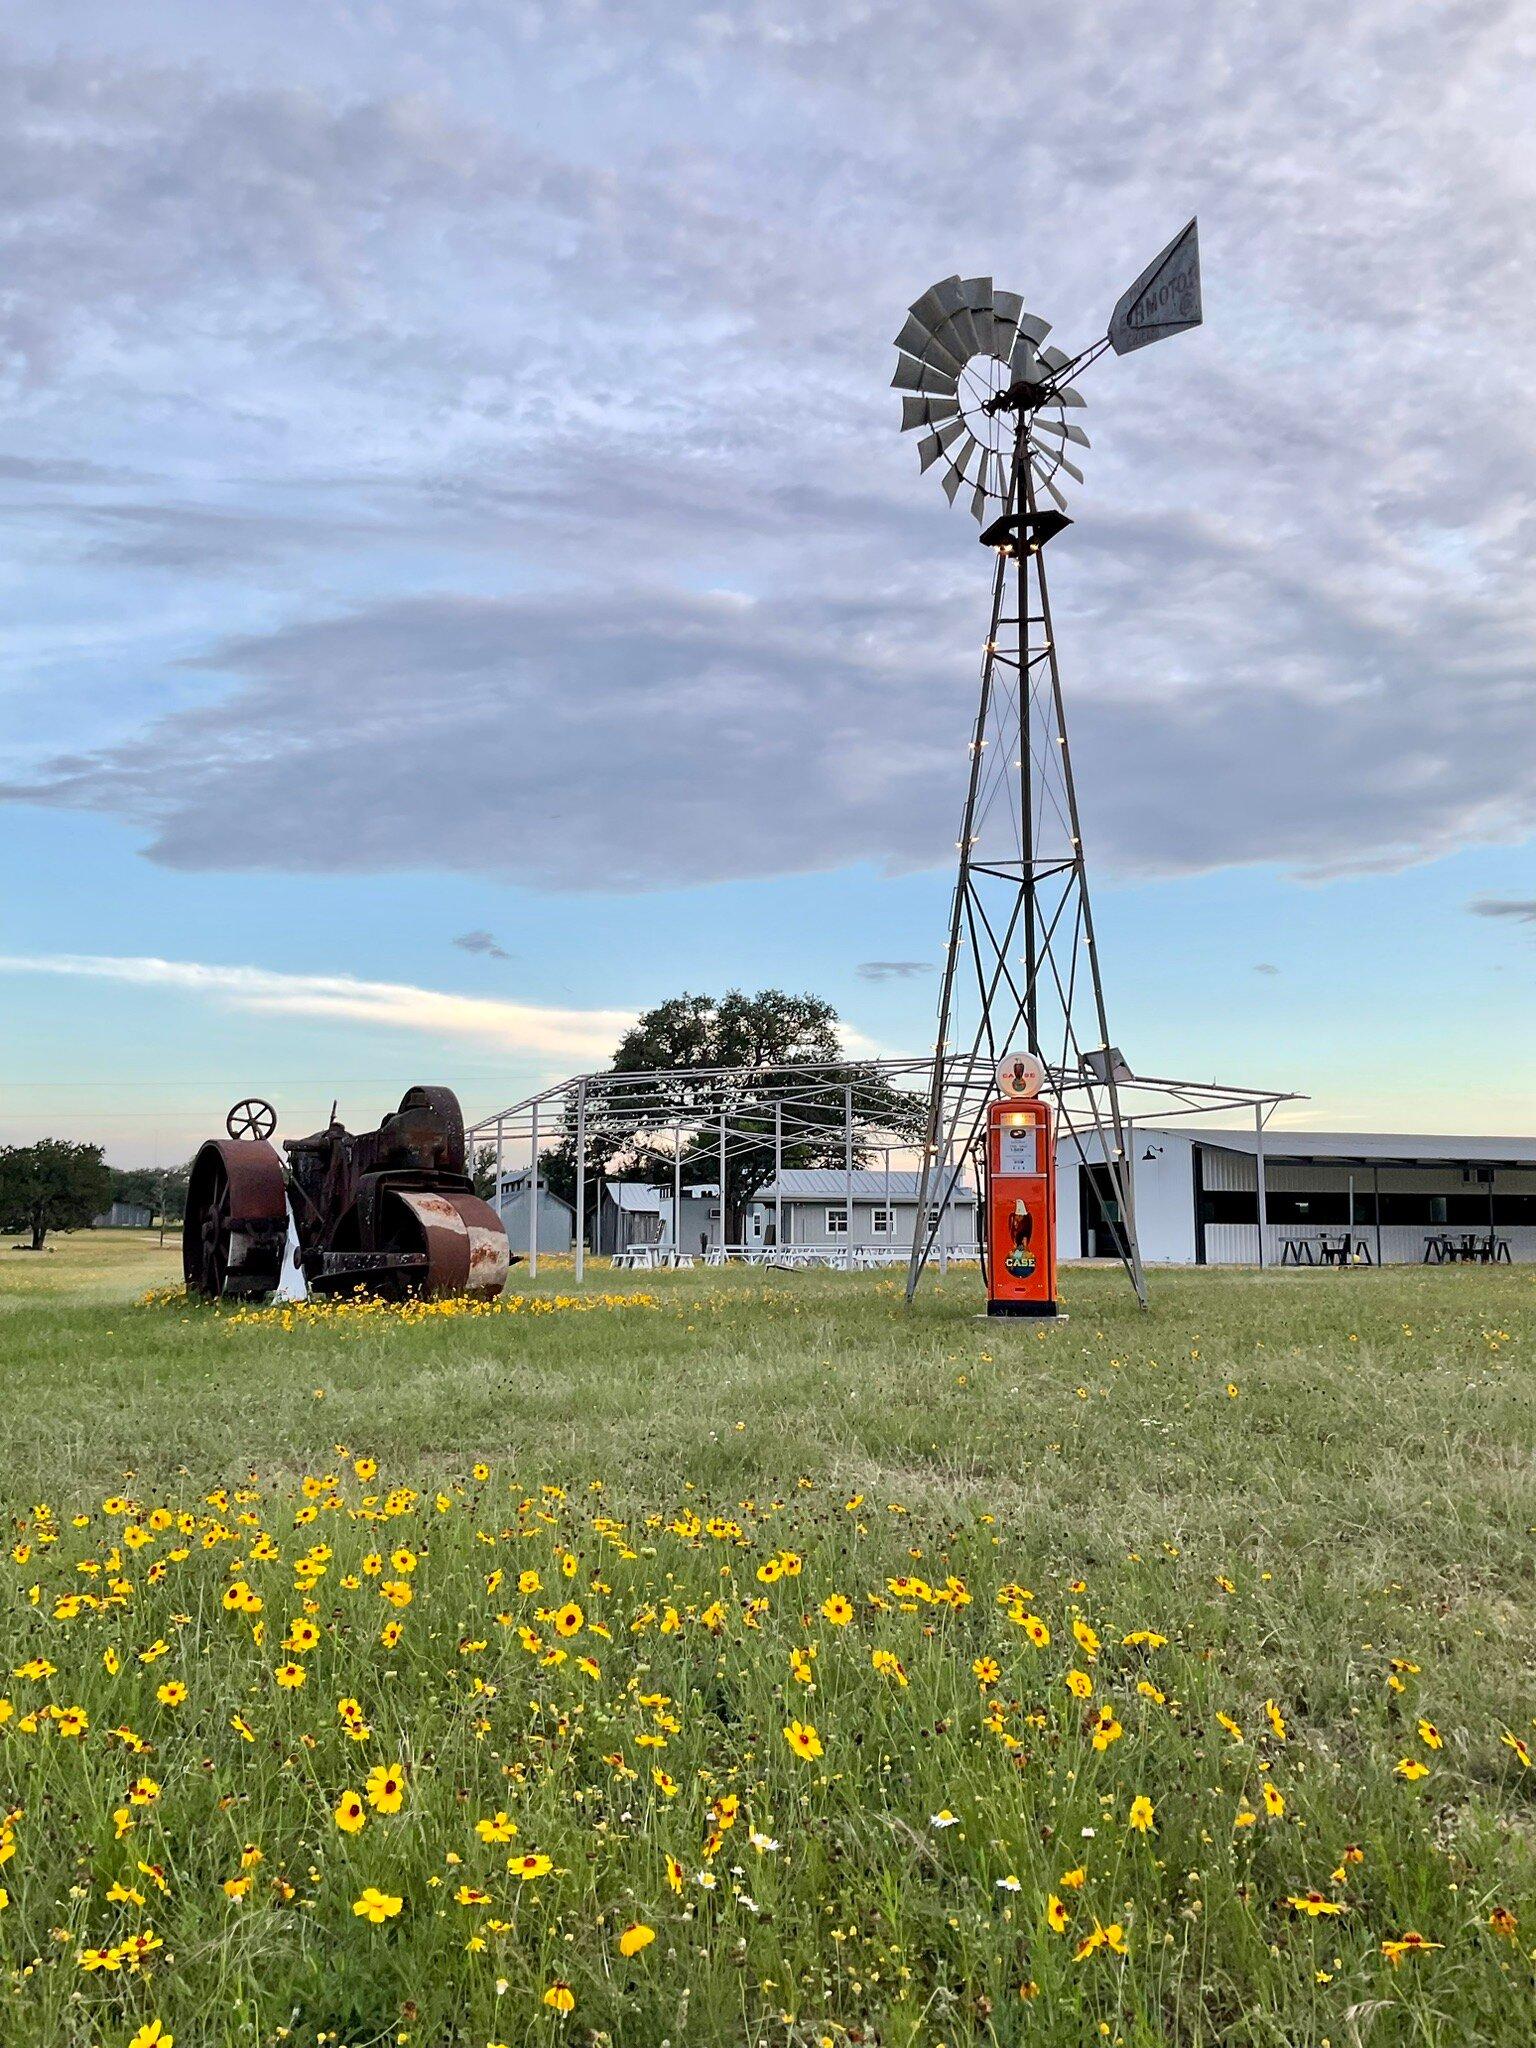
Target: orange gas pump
<point>1020,1194</point>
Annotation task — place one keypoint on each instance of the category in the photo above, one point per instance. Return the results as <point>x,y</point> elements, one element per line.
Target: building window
<point>881,1222</point>
<point>935,1212</point>
<point>837,1222</point>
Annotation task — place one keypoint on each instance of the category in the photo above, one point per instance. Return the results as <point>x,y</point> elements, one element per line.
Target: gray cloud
<point>1265,967</point>
<point>565,473</point>
<point>1522,909</point>
<point>892,970</point>
<point>481,942</point>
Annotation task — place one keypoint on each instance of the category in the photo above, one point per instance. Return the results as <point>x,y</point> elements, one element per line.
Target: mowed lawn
<point>733,1657</point>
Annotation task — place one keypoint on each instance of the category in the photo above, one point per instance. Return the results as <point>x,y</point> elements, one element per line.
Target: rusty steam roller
<point>390,1212</point>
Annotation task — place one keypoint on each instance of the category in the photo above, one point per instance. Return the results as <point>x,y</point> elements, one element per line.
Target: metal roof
<point>1403,1148</point>
<point>830,1183</point>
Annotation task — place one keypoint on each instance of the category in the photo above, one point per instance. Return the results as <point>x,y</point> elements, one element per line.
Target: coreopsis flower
<point>529,1866</point>
<point>1056,1915</point>
<point>143,1792</point>
<point>1410,1768</point>
<point>837,1610</point>
<point>1079,1684</point>
<point>1074,1880</point>
<point>1142,1817</point>
<point>302,1634</point>
<point>1036,1631</point>
<point>242,1727</point>
<point>568,1619</point>
<point>1314,1904</point>
<point>153,2035</point>
<point>499,1828</point>
<point>290,1676</point>
<point>889,1665</point>
<point>172,1694</point>
<point>634,1938</point>
<point>665,1784</point>
<point>986,1671</point>
<point>1226,1721</point>
<point>529,1581</point>
<point>390,1634</point>
<point>1410,1944</point>
<point>1503,1922</point>
<point>349,1813</point>
<point>1276,1720</point>
<point>803,1739</point>
<point>1087,1641</point>
<point>1430,1735</point>
<point>71,1722</point>
<point>1111,1937</point>
<point>561,1997</point>
<point>1518,1745</point>
<point>674,1874</point>
<point>1274,1800</point>
<point>471,1895</point>
<point>1106,1728</point>
<point>386,1788</point>
<point>376,1906</point>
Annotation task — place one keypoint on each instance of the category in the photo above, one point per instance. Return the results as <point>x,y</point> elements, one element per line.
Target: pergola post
<point>677,1190</point>
<point>778,1172</point>
<point>498,1165</point>
<point>1258,1161</point>
<point>848,1170</point>
<point>722,1184</point>
<point>581,1181</point>
<point>533,1200</point>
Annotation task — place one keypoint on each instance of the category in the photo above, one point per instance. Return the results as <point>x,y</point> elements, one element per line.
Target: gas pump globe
<point>1020,1194</point>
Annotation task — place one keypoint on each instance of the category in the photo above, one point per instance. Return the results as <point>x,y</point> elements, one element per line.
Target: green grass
<point>1364,1495</point>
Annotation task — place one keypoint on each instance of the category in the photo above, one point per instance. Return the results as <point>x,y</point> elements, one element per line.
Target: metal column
<point>848,1170</point>
<point>778,1172</point>
<point>581,1182</point>
<point>533,1200</point>
<point>677,1190</point>
<point>1258,1161</point>
<point>722,1183</point>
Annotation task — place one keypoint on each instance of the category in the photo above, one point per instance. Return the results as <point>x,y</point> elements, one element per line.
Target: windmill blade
<point>979,505</point>
<point>932,446</point>
<point>962,458</point>
<point>1032,325</point>
<point>1024,363</point>
<point>926,411</point>
<point>937,303</point>
<point>915,339</point>
<point>952,482</point>
<point>1045,481</point>
<point>1059,461</point>
<point>978,300</point>
<point>1055,358</point>
<point>912,375</point>
<point>1063,394</point>
<point>1045,426</point>
<point>1006,307</point>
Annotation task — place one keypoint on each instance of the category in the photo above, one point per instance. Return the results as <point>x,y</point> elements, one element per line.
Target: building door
<point>1099,1215</point>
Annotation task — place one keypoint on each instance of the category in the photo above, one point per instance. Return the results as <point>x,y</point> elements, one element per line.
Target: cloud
<point>1523,909</point>
<point>562,471</point>
<point>582,1037</point>
<point>892,970</point>
<point>1265,967</point>
<point>481,942</point>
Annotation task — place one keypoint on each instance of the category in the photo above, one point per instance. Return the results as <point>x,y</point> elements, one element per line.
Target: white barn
<point>1222,1197</point>
<point>557,1218</point>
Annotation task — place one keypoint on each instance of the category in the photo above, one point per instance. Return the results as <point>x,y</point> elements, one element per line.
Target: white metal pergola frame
<point>660,1108</point>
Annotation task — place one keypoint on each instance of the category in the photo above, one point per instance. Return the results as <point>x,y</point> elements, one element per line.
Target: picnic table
<point>1326,1248</point>
<point>1468,1247</point>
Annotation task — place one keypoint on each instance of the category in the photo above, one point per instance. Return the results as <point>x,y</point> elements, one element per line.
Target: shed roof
<point>830,1183</point>
<point>1398,1148</point>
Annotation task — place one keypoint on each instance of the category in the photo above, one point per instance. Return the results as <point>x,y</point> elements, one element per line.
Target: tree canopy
<point>749,1034</point>
<point>52,1185</point>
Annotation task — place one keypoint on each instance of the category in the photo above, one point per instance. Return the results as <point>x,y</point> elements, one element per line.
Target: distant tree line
<point>58,1185</point>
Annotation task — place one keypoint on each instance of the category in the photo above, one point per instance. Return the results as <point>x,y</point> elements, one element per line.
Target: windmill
<point>1000,409</point>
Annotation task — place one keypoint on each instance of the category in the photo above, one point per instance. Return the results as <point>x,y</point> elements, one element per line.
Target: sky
<point>463,583</point>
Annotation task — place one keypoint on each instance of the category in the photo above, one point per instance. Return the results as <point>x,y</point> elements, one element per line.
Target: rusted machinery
<point>390,1212</point>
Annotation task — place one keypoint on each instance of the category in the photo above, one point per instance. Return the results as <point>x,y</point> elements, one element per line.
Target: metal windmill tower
<point>1000,411</point>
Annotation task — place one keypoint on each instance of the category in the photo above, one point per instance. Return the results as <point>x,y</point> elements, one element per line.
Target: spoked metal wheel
<point>236,1222</point>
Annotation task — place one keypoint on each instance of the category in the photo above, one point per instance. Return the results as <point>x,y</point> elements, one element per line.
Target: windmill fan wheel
<point>236,1223</point>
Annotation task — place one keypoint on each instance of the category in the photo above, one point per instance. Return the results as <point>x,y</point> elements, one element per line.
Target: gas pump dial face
<point>1020,1076</point>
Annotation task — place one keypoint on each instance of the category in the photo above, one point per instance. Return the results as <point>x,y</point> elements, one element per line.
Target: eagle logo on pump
<point>1021,1228</point>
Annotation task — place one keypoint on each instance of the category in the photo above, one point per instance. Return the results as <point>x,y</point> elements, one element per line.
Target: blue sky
<point>451,487</point>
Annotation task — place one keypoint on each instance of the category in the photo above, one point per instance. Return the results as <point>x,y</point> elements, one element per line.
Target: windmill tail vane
<point>998,407</point>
